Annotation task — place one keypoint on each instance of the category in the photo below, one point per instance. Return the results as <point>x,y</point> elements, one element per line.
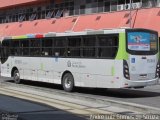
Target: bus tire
<point>16,76</point>
<point>68,82</point>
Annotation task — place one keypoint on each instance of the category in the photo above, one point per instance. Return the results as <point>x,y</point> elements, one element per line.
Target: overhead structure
<point>14,3</point>
<point>58,20</point>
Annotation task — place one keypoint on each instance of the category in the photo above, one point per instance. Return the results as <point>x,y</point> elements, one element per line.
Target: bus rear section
<point>142,66</point>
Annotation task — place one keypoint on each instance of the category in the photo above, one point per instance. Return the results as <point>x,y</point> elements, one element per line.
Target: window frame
<point>63,48</point>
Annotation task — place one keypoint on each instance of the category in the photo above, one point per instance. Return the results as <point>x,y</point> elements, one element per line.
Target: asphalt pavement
<point>149,96</point>
<point>17,109</point>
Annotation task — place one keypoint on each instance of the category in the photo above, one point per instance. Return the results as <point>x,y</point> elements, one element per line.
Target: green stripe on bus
<point>42,67</point>
<point>158,54</point>
<point>122,54</point>
<point>19,37</point>
<point>113,71</point>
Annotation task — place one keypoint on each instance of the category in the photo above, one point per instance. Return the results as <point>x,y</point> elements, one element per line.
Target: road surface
<point>19,109</point>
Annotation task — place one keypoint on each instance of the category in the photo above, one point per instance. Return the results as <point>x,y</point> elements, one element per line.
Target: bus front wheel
<point>16,77</point>
<point>68,82</point>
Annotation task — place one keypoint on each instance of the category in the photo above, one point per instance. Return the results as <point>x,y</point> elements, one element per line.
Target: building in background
<point>19,17</point>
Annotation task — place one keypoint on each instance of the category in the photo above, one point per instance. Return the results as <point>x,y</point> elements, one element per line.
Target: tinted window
<point>59,52</point>
<point>108,46</point>
<point>88,52</point>
<point>35,47</point>
<point>15,44</point>
<point>74,41</point>
<point>24,47</point>
<point>89,40</point>
<point>59,46</point>
<point>47,45</point>
<point>89,46</point>
<point>48,42</point>
<point>35,42</point>
<point>74,44</point>
<point>24,43</point>
<point>59,42</point>
<point>5,49</point>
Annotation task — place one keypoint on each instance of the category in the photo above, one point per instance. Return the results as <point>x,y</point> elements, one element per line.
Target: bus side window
<point>24,47</point>
<point>35,47</point>
<point>89,45</point>
<point>47,44</point>
<point>5,50</point>
<point>108,46</point>
<point>15,47</point>
<point>59,46</point>
<point>74,44</point>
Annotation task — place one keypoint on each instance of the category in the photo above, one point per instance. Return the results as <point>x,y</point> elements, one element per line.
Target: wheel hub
<point>16,76</point>
<point>67,83</point>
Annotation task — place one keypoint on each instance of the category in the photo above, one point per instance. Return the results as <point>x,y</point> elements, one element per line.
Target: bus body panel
<point>142,67</point>
<point>86,72</point>
<point>6,68</point>
<point>102,77</point>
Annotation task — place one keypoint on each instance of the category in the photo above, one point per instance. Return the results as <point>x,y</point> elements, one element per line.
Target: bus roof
<point>70,33</point>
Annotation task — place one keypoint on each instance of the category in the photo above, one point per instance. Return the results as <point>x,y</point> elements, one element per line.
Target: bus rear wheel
<point>68,82</point>
<point>16,77</point>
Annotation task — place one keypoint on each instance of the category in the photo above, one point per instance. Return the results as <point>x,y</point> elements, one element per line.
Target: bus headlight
<point>126,70</point>
<point>157,70</point>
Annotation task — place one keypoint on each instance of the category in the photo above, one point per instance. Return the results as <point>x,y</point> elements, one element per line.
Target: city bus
<point>107,58</point>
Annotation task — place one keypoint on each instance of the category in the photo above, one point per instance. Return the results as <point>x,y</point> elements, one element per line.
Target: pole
<point>130,15</point>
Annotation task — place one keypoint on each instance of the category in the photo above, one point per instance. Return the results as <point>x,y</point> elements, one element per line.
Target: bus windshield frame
<point>144,33</point>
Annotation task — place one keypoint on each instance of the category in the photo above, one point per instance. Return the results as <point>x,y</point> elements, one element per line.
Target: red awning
<point>104,21</point>
<point>37,26</point>
<point>9,3</point>
<point>148,18</point>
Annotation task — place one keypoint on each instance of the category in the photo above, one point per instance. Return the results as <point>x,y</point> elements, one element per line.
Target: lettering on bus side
<point>151,60</point>
<point>75,64</point>
<point>18,61</point>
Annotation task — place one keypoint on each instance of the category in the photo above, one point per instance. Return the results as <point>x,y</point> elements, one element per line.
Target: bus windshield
<point>142,42</point>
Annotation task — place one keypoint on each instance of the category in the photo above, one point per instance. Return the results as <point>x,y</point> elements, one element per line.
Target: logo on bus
<point>69,63</point>
<point>133,60</point>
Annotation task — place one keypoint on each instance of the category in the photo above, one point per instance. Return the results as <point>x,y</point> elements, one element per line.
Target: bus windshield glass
<point>142,42</point>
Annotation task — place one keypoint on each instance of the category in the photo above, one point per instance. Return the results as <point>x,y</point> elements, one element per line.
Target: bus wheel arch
<point>16,75</point>
<point>67,81</point>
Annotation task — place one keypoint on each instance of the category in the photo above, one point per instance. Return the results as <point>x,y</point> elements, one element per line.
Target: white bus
<point>115,58</point>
